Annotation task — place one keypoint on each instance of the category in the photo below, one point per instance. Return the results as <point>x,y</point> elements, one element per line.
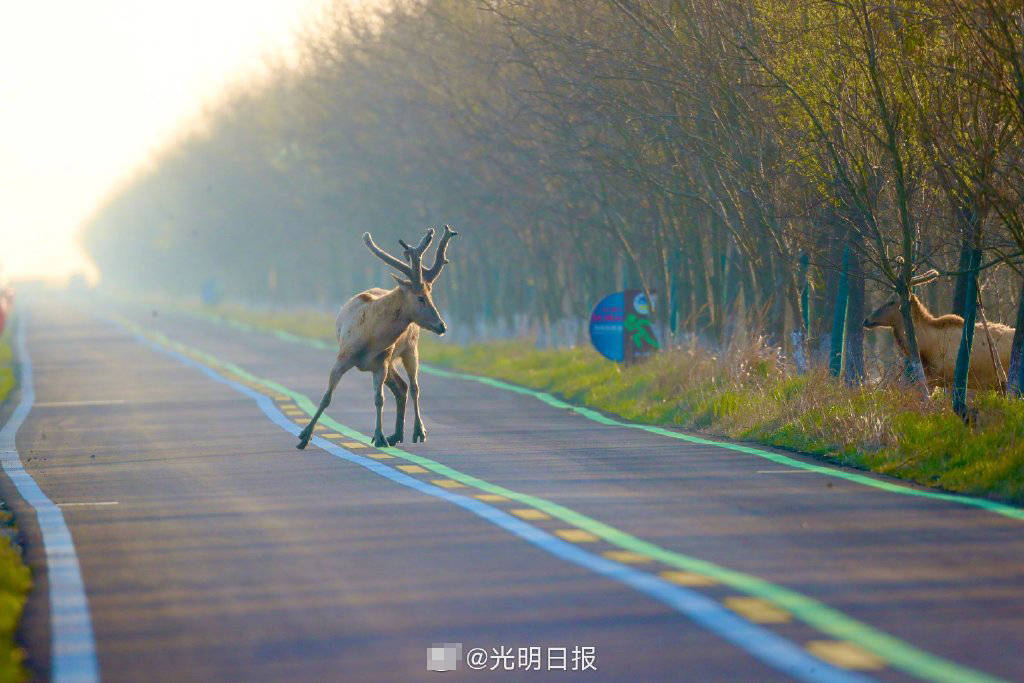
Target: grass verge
<point>15,577</point>
<point>750,394</point>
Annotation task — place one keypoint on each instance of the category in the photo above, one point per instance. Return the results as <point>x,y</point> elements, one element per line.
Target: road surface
<point>210,548</point>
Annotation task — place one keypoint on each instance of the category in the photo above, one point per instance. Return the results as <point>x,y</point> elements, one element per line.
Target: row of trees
<point>751,162</point>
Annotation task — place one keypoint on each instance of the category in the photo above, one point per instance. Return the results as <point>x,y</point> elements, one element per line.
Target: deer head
<point>888,314</point>
<point>416,285</point>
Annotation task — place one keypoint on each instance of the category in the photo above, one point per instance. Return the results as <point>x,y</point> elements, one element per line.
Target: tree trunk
<point>854,351</point>
<point>963,356</point>
<point>964,264</point>
<point>1015,381</point>
<point>776,332</point>
<point>914,368</point>
<point>835,356</point>
<point>673,293</point>
<point>732,272</point>
<point>805,294</point>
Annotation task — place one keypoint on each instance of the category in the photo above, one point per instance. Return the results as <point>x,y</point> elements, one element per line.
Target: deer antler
<point>415,254</point>
<point>440,257</point>
<point>393,261</point>
<point>924,278</point>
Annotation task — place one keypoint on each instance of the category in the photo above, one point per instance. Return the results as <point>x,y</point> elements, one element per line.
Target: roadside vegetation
<point>15,578</point>
<point>762,170</point>
<point>750,392</point>
<point>771,166</point>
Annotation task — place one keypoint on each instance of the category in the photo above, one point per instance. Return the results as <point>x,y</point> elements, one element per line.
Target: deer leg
<point>399,388</point>
<point>378,400</point>
<point>340,367</point>
<point>411,361</point>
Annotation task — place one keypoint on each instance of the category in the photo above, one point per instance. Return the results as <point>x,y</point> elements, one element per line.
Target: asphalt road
<point>211,549</point>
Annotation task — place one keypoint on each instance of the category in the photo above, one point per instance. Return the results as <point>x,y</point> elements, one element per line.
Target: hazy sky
<point>90,88</point>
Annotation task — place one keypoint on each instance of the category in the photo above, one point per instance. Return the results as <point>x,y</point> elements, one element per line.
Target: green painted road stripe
<point>990,505</point>
<point>591,414</point>
<point>898,654</point>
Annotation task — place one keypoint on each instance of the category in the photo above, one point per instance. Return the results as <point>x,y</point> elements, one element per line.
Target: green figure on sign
<point>638,327</point>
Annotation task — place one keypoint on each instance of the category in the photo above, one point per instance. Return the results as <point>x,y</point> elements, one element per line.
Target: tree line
<point>769,165</point>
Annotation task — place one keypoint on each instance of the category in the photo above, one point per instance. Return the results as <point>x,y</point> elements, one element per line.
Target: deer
<point>378,327</point>
<point>938,340</point>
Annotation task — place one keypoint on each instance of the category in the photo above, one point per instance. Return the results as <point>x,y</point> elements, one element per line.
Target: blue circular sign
<point>606,326</point>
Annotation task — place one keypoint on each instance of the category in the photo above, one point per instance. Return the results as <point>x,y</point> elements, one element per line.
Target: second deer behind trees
<point>379,327</point>
<point>938,341</point>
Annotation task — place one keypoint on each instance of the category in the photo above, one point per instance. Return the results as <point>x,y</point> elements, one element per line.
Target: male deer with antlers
<point>377,327</point>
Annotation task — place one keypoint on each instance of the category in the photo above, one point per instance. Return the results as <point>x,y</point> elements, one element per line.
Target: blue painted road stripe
<point>766,646</point>
<point>73,658</point>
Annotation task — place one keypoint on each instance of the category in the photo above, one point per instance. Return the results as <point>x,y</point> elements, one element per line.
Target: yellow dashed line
<point>411,469</point>
<point>448,483</point>
<point>490,497</point>
<point>687,578</point>
<point>758,610</point>
<point>530,513</point>
<point>576,535</point>
<point>846,655</point>
<point>332,435</point>
<point>353,444</point>
<point>378,456</point>
<point>626,556</point>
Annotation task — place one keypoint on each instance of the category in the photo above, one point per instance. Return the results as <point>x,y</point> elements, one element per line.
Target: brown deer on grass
<point>938,339</point>
<point>378,327</point>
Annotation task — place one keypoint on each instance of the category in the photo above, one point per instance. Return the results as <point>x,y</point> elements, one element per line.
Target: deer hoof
<point>304,438</point>
<point>379,441</point>
<point>419,435</point>
<point>395,438</point>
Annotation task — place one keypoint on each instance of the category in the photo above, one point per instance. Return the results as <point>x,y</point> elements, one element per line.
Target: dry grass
<point>749,393</point>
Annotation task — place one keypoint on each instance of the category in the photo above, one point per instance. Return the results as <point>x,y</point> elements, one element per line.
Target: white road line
<point>75,404</point>
<point>100,502</point>
<point>73,647</point>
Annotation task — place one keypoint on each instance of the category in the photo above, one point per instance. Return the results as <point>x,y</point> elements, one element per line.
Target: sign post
<point>621,328</point>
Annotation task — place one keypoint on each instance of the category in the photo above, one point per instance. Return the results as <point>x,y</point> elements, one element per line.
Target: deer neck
<point>900,335</point>
<point>921,315</point>
<point>925,325</point>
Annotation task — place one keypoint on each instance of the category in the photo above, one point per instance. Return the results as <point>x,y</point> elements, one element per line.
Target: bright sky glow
<point>89,90</point>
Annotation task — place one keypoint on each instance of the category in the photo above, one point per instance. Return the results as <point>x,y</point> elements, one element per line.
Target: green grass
<point>15,578</point>
<point>750,394</point>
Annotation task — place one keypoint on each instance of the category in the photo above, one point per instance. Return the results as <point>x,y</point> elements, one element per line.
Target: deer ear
<point>402,282</point>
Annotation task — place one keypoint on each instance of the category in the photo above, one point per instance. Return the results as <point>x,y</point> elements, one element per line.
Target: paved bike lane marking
<point>895,652</point>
